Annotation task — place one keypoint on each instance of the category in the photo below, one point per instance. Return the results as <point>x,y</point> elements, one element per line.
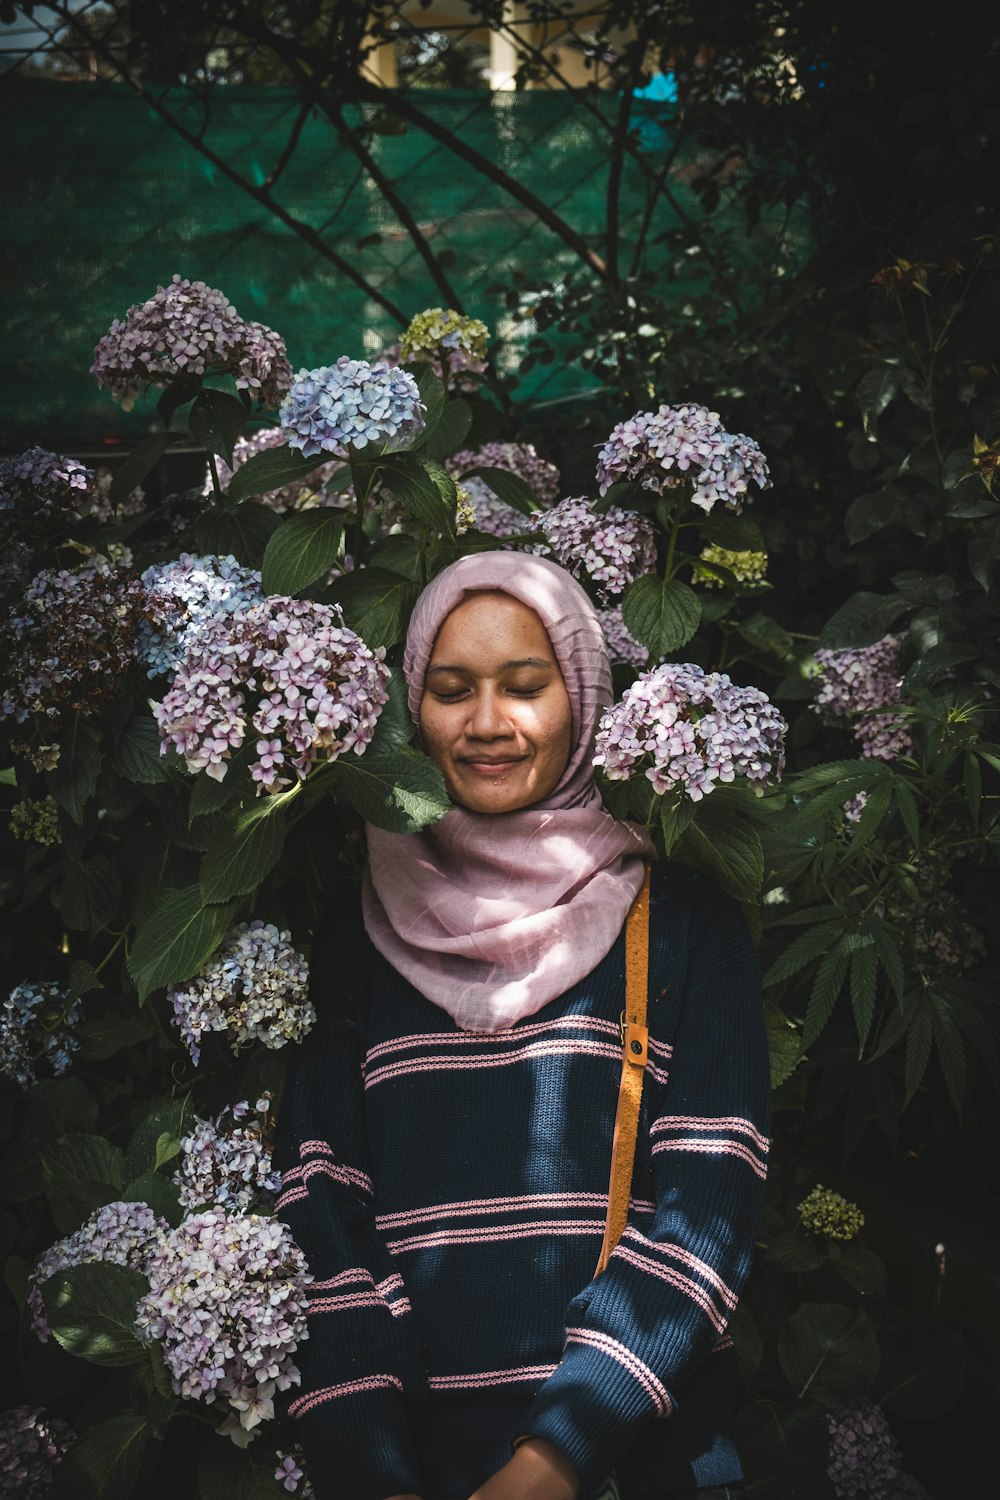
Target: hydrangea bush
<point>198,724</point>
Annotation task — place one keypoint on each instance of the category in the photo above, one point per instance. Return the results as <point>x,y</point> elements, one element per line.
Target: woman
<point>446,1131</point>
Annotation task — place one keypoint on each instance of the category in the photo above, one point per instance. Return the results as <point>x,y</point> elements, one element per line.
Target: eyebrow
<point>524,661</point>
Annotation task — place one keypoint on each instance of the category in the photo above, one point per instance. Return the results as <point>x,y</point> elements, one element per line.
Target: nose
<point>487,718</point>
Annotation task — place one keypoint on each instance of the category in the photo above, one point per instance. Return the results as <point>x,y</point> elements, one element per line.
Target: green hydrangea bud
<point>465,511</point>
<point>442,336</point>
<point>746,567</point>
<point>825,1212</point>
<point>37,821</point>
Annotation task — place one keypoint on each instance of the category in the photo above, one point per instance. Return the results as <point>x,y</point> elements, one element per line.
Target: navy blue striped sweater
<point>449,1189</point>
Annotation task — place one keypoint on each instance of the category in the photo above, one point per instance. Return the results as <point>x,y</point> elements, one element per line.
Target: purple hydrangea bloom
<point>37,1025</point>
<point>856,686</point>
<point>188,328</point>
<point>124,1234</point>
<point>31,1446</point>
<point>68,642</point>
<point>290,1474</point>
<point>256,987</point>
<point>182,597</point>
<point>689,729</point>
<point>612,549</point>
<point>227,1304</point>
<point>351,403</point>
<point>317,691</point>
<point>677,445</point>
<point>864,1455</point>
<point>226,1162</point>
<point>38,484</point>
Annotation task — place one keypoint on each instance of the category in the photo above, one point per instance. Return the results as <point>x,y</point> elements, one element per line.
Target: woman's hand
<point>537,1471</point>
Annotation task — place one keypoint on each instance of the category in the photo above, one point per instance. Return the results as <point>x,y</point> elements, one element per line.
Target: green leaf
<point>950,1049</point>
<point>864,619</point>
<point>674,818</point>
<point>167,1147</point>
<point>450,431</point>
<point>726,846</point>
<point>241,531</point>
<point>828,1353</point>
<point>243,853</point>
<point>394,729</point>
<point>179,936</point>
<point>376,603</point>
<point>401,790</point>
<point>90,895</point>
<point>422,486</point>
<point>735,533</point>
<point>74,780</point>
<point>111,1034</point>
<point>83,977</point>
<point>158,1193</point>
<point>862,1269</point>
<point>216,421</point>
<point>807,946</point>
<point>81,1173</point>
<point>433,394</point>
<point>271,470</point>
<point>209,796</point>
<point>104,1462</point>
<point>984,545</point>
<point>919,1037</point>
<point>137,756</point>
<point>924,1380</point>
<point>887,950</point>
<point>863,971</point>
<point>226,1472</point>
<point>142,459</point>
<point>508,487</point>
<point>875,391</point>
<point>783,1046</point>
<point>972,782</point>
<point>663,615</point>
<point>906,804</point>
<point>172,1119</point>
<point>303,548</point>
<point>869,513</point>
<point>790,1250</point>
<point>826,987</point>
<point>91,1311</point>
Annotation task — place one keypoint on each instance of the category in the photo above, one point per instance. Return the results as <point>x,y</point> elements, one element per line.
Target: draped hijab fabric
<point>492,915</point>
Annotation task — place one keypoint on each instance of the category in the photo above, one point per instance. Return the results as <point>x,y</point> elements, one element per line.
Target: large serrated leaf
<point>376,603</point>
<point>242,854</point>
<point>401,790</point>
<point>510,488</point>
<point>864,619</point>
<point>303,548</point>
<point>216,422</point>
<point>828,1353</point>
<point>735,533</point>
<point>91,1311</point>
<point>137,756</point>
<point>422,486</point>
<point>177,938</point>
<point>141,461</point>
<point>662,614</point>
<point>74,780</point>
<point>829,978</point>
<point>173,1119</point>
<point>90,894</point>
<point>726,846</point>
<point>783,1046</point>
<point>241,531</point>
<point>81,1173</point>
<point>271,470</point>
<point>863,976</point>
<point>450,431</point>
<point>807,946</point>
<point>104,1462</point>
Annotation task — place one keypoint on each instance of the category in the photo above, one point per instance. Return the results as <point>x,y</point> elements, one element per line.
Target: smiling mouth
<point>486,767</point>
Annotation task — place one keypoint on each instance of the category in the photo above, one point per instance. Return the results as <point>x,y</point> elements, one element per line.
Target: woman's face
<point>495,715</point>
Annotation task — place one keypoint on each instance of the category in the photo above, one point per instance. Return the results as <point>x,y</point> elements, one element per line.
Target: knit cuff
<point>357,1443</point>
<point>595,1404</point>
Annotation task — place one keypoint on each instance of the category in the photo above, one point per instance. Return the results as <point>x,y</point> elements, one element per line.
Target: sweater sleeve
<point>663,1302</point>
<point>362,1352</point>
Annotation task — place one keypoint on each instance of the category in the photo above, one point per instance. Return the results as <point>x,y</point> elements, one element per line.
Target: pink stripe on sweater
<point>477,1236</point>
<point>349,1176</point>
<point>686,1258</point>
<point>721,1147</point>
<point>464,1207</point>
<point>345,1278</point>
<point>735,1124</point>
<point>479,1038</point>
<point>485,1378</point>
<point>393,1283</point>
<point>346,1302</point>
<point>566,1047</point>
<point>691,1289</point>
<point>306,1403</point>
<point>291,1195</point>
<point>628,1360</point>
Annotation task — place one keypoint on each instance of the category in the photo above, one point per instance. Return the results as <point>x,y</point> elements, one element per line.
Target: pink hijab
<point>491,916</point>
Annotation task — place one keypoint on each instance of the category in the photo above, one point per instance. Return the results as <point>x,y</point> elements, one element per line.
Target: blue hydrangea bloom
<point>350,403</point>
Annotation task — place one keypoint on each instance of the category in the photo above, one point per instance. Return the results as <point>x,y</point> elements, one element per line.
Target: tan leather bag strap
<point>635,1037</point>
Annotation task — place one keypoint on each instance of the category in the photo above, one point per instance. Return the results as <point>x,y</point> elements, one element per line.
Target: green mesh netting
<point>105,201</point>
